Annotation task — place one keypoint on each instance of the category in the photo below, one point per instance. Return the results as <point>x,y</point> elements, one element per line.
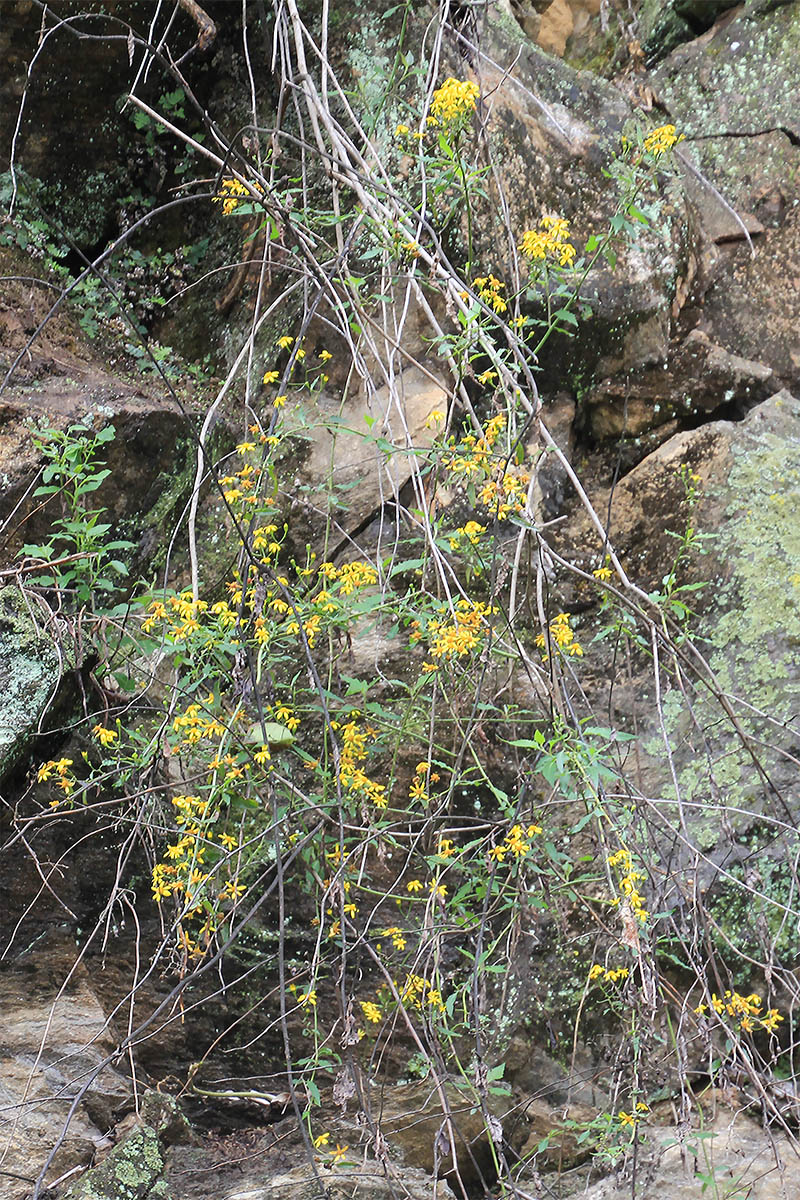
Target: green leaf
<point>272,734</point>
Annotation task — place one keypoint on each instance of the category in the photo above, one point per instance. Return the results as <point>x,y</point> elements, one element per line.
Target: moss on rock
<point>31,667</point>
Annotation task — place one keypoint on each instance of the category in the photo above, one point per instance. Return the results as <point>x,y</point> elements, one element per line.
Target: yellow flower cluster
<point>241,487</point>
<point>351,575</point>
<point>372,1012</point>
<point>231,193</point>
<point>631,1118</point>
<point>560,633</point>
<point>502,493</point>
<point>59,767</point>
<point>194,726</point>
<point>454,100</point>
<point>627,881</point>
<point>335,1156</point>
<point>471,532</point>
<point>489,289</point>
<point>181,873</point>
<point>180,610</point>
<point>353,751</point>
<point>549,242</point>
<point>396,934</point>
<point>662,139</point>
<point>463,633</point>
<point>185,617</point>
<point>417,991</point>
<point>744,1009</point>
<point>106,737</point>
<point>598,971</point>
<point>515,843</point>
<point>473,454</point>
<point>423,776</point>
<point>505,496</point>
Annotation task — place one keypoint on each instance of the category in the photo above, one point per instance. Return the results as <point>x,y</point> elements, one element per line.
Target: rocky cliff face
<point>661,438</point>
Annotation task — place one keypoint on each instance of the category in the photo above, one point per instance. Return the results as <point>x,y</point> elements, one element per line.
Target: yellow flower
<point>371,1011</point>
<point>285,342</point>
<point>325,355</point>
<point>106,737</point>
<point>272,376</point>
<point>232,890</point>
<point>550,240</point>
<point>322,1140</point>
<point>279,401</point>
<point>626,1118</point>
<point>414,885</point>
<point>401,131</point>
<point>338,1153</point>
<point>454,100</point>
<point>662,139</point>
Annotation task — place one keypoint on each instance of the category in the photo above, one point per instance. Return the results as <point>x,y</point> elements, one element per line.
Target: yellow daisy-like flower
<point>279,401</point>
<point>454,100</point>
<point>106,737</point>
<point>271,376</point>
<point>662,139</point>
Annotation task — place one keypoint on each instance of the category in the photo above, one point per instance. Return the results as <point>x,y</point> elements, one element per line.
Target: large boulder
<point>54,1042</point>
<point>733,1157</point>
<point>728,742</point>
<point>733,93</point>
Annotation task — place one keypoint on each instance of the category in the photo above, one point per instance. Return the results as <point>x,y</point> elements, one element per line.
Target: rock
<point>412,1119</point>
<point>542,1078</point>
<point>747,474</point>
<point>272,1164</point>
<point>53,1038</point>
<point>665,26</point>
<point>553,1143</point>
<point>555,27</point>
<point>364,452</point>
<point>554,130</point>
<point>145,458</point>
<point>34,654</point>
<point>742,1159</point>
<point>134,1169</point>
<point>733,93</point>
<point>698,378</point>
<point>552,484</point>
<point>361,1181</point>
